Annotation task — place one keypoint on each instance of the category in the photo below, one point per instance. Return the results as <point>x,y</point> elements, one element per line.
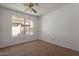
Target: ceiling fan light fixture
<point>30,7</point>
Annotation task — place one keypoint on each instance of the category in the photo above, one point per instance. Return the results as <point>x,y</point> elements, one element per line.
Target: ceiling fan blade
<point>24,3</point>
<point>34,10</point>
<point>36,4</point>
<point>29,4</point>
<point>26,9</point>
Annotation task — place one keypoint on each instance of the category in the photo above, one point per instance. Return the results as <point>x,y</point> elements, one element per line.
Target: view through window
<point>20,26</point>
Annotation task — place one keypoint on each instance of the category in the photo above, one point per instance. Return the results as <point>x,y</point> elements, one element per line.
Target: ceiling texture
<point>42,8</point>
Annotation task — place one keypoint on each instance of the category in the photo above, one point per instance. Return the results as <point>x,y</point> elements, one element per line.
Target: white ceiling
<point>43,8</point>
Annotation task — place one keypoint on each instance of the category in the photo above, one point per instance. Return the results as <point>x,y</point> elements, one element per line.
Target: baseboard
<point>17,44</point>
<point>59,45</point>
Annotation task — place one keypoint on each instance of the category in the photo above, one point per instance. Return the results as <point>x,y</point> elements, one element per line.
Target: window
<point>28,27</point>
<point>20,26</point>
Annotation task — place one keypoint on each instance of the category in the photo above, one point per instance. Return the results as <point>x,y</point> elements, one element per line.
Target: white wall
<point>6,27</point>
<point>61,27</point>
<point>0,26</point>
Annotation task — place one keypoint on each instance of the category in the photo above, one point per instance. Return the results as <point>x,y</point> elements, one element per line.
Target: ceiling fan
<point>30,7</point>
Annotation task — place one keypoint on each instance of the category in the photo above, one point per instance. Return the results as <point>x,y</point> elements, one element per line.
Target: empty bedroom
<point>39,29</point>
